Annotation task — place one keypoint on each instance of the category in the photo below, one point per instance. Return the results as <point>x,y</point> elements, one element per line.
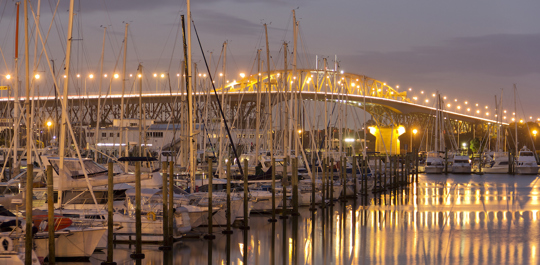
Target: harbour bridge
<point>388,106</point>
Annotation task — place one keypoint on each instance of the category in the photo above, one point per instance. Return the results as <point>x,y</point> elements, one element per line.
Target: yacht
<point>496,164</point>
<point>434,163</point>
<point>526,162</point>
<point>461,164</point>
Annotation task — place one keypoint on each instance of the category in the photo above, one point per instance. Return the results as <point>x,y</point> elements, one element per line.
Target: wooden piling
<point>343,172</point>
<point>284,183</point>
<point>228,231</point>
<point>446,160</point>
<point>331,182</point>
<point>138,233</point>
<point>210,235</point>
<point>313,174</point>
<point>323,188</point>
<point>171,203</point>
<point>295,186</point>
<point>273,219</point>
<point>355,175</point>
<point>165,202</point>
<point>29,241</point>
<point>50,213</point>
<point>417,161</point>
<point>246,208</point>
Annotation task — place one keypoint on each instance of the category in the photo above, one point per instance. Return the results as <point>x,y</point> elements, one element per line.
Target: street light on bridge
<point>414,131</point>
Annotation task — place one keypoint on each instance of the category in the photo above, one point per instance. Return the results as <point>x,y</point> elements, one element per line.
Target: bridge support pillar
<point>387,139</point>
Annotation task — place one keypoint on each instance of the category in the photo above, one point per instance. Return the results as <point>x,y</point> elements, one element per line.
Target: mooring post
<point>246,208</point>
<point>171,203</point>
<point>273,219</point>
<point>313,174</point>
<point>446,160</point>
<point>284,183</point>
<point>323,189</point>
<point>355,174</point>
<point>50,215</point>
<point>138,233</point>
<point>166,230</point>
<point>332,182</point>
<point>29,196</point>
<point>417,161</point>
<point>210,235</point>
<point>295,186</point>
<point>510,162</point>
<point>343,171</point>
<point>228,231</point>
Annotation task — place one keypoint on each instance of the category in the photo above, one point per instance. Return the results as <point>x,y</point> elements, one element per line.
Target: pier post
<point>50,220</point>
<point>29,241</point>
<point>323,188</point>
<point>138,233</point>
<point>417,161</point>
<point>110,226</point>
<point>331,182</point>
<point>403,172</point>
<point>171,203</point>
<point>510,163</point>
<point>313,171</point>
<point>273,219</point>
<point>164,191</point>
<point>446,160</point>
<point>284,183</point>
<point>295,186</point>
<point>228,231</point>
<point>343,172</point>
<point>365,166</point>
<point>246,208</point>
<point>383,177</point>
<point>210,235</point>
<point>355,174</point>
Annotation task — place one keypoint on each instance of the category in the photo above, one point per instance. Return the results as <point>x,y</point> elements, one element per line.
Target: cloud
<point>499,55</point>
<point>223,24</point>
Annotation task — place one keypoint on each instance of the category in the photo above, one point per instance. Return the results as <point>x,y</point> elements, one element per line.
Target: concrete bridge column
<point>387,139</point>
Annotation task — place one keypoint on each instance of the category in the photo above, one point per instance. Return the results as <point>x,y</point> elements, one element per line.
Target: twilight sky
<point>467,50</point>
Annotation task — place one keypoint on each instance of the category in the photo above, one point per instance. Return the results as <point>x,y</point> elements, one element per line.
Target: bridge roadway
<point>342,88</point>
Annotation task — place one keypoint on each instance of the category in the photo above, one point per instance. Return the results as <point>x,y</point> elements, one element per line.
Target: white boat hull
<point>74,243</point>
<point>527,170</point>
<point>461,170</point>
<point>433,170</point>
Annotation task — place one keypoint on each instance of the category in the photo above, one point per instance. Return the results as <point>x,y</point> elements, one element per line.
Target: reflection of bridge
<point>386,105</point>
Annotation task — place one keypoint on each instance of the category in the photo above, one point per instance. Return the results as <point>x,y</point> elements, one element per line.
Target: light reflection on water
<point>469,219</point>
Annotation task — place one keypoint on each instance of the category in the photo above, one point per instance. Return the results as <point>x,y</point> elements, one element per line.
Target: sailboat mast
<point>16,105</point>
<point>98,118</point>
<point>269,90</point>
<point>258,111</point>
<point>139,146</point>
<point>294,84</point>
<point>516,119</point>
<point>437,125</point>
<point>63,131</point>
<point>222,124</point>
<point>286,145</point>
<point>27,87</point>
<point>120,129</point>
<point>190,98</point>
<point>364,152</point>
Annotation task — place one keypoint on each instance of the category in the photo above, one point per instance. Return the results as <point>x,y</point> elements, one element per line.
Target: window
<point>111,134</point>
<point>251,136</point>
<point>103,134</point>
<point>239,136</point>
<point>260,136</point>
<point>90,134</point>
<point>133,124</point>
<point>117,134</point>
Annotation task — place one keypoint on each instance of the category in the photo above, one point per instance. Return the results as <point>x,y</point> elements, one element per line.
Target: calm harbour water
<point>454,219</point>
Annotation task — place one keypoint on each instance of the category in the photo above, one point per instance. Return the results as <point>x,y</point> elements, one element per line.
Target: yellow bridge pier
<point>387,139</point>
